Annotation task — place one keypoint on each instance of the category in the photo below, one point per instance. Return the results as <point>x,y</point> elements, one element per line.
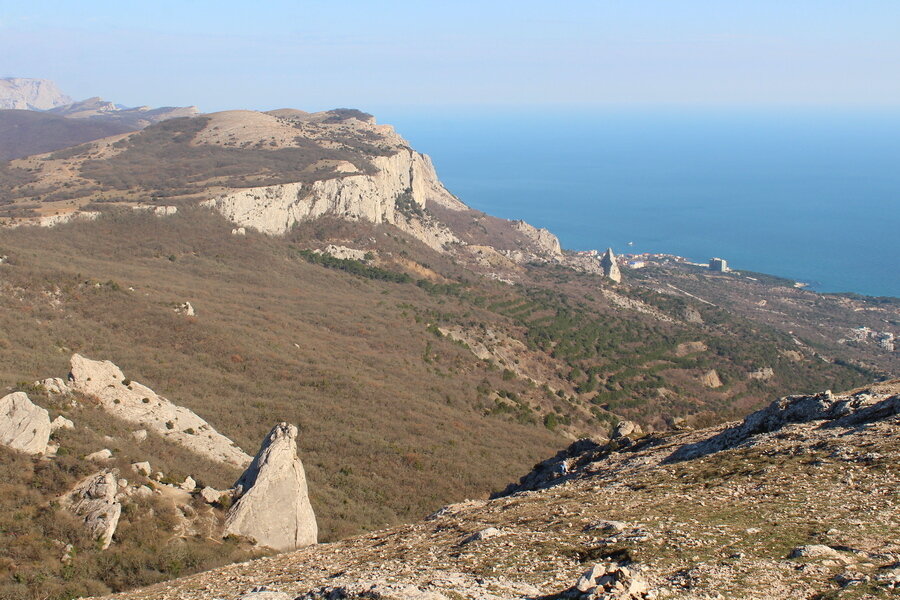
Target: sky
<point>517,54</point>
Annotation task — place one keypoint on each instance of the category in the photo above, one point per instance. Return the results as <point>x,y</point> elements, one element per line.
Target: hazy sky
<point>522,53</point>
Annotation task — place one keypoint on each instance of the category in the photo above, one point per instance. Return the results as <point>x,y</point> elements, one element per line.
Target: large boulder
<point>610,266</point>
<point>24,426</point>
<point>138,404</point>
<point>93,500</point>
<point>274,507</point>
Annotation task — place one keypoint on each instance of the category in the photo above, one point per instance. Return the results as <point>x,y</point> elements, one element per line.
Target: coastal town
<point>645,259</point>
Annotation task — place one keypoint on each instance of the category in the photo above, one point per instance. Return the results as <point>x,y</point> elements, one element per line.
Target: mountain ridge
<point>36,117</point>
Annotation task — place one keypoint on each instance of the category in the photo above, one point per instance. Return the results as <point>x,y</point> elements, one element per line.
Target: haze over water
<point>808,195</point>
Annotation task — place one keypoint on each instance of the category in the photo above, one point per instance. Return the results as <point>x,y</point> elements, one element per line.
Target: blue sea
<point>808,195</point>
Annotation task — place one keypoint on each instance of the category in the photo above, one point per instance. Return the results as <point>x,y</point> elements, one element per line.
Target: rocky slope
<point>137,404</point>
<point>799,501</point>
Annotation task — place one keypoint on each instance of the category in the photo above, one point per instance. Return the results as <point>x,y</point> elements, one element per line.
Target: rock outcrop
<point>545,241</point>
<point>403,183</point>
<point>93,501</point>
<point>558,468</point>
<point>611,582</point>
<point>138,404</point>
<point>23,93</point>
<point>626,429</point>
<point>711,379</point>
<point>24,426</point>
<point>274,507</point>
<point>342,252</point>
<point>610,266</point>
<point>623,525</point>
<point>60,422</point>
<point>847,410</point>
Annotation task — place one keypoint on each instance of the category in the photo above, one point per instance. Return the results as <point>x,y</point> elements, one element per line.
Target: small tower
<point>610,266</point>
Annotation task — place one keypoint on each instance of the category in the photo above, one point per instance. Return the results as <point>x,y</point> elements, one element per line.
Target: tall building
<point>718,264</point>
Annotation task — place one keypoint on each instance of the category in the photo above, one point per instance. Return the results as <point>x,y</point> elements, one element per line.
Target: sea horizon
<point>810,195</point>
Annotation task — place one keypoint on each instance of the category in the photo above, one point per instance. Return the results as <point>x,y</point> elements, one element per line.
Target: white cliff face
<point>545,241</point>
<point>30,94</point>
<point>406,175</point>
<point>274,509</point>
<point>24,426</point>
<point>138,404</point>
<point>93,500</point>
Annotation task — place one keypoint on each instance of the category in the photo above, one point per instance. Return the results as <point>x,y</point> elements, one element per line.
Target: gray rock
<point>815,551</point>
<point>625,429</point>
<point>54,385</point>
<point>100,455</point>
<point>274,508</point>
<point>607,526</point>
<point>610,266</point>
<point>142,468</point>
<point>93,500</point>
<point>186,309</point>
<point>840,410</point>
<point>612,582</point>
<point>24,426</point>
<point>60,422</point>
<point>139,435</point>
<point>483,534</point>
<point>210,495</point>
<point>138,404</point>
<point>188,485</point>
<point>264,593</point>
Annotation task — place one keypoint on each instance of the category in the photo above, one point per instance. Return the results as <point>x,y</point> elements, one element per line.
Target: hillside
<point>26,132</point>
<point>311,268</point>
<point>36,117</point>
<point>796,501</point>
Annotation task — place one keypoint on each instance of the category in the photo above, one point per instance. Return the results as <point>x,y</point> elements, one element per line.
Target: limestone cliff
<point>403,184</point>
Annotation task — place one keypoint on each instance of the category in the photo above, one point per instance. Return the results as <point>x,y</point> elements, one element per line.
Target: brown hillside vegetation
<point>26,132</point>
<point>395,417</point>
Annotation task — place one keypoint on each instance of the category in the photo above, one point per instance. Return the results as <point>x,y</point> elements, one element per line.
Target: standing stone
<point>274,509</point>
<point>610,266</point>
<point>23,425</point>
<point>93,500</point>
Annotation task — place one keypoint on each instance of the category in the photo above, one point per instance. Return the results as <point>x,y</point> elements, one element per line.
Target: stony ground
<point>805,510</point>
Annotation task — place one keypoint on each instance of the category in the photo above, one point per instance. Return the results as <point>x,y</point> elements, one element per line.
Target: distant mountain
<point>30,94</point>
<point>26,132</point>
<point>98,109</point>
<point>26,127</point>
